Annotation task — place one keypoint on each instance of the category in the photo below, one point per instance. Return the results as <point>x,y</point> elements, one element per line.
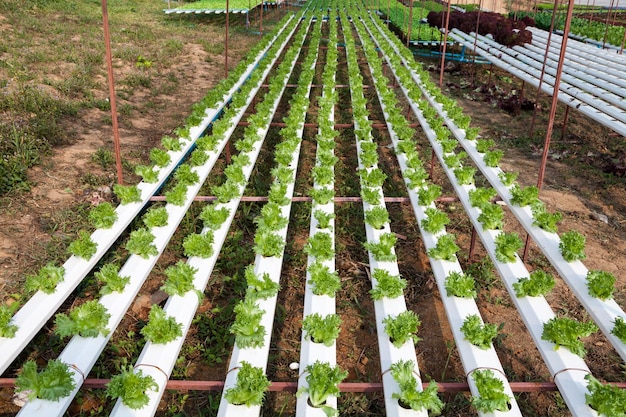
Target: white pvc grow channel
<point>35,312</point>
<point>457,309</point>
<point>567,368</point>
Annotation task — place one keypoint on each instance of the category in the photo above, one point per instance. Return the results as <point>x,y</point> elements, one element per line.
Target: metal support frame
<point>445,42</point>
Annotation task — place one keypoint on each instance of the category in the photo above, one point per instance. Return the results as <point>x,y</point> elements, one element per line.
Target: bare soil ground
<point>583,182</point>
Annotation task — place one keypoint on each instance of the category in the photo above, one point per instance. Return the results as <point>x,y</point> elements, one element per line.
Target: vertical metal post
<point>109,59</point>
<point>543,69</point>
<point>606,25</point>
<point>593,6</point>
<point>615,14</point>
<point>226,42</point>
<point>472,245</point>
<point>480,6</point>
<point>445,41</point>
<point>408,36</point>
<point>555,94</point>
<point>261,18</point>
<point>388,13</point>
<point>621,50</point>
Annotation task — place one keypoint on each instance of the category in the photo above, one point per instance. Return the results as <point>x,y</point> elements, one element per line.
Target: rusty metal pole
<point>543,70</point>
<point>621,50</point>
<point>261,19</point>
<point>472,246</point>
<point>445,41</point>
<point>615,14</point>
<point>480,6</point>
<point>593,6</point>
<point>606,25</point>
<point>555,94</point>
<point>109,59</point>
<point>408,36</point>
<point>226,42</point>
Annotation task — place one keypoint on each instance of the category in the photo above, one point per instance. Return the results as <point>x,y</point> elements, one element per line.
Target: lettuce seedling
<point>416,177</point>
<point>448,145</point>
<point>572,246</point>
<point>606,399</point>
<point>435,221</point>
<point>428,194</point>
<point>185,175</point>
<point>177,195</point>
<point>198,158</point>
<point>323,219</point>
<point>465,175</point>
<point>127,194</point>
<point>508,178</point>
<point>507,245</point>
<point>320,246</point>
<point>387,285</point>
<point>322,174</point>
<point>454,160</point>
<point>247,326</point>
<point>403,373</point>
<point>538,284</point>
<point>322,280</point>
<point>148,174</point>
<point>160,157</point>
<point>601,284</point>
<point>377,217</point>
<point>131,387</point>
<point>103,216</point>
<point>156,217</point>
<point>179,279</point>
<point>214,217</point>
<point>544,219</point>
<point>87,320</point>
<point>250,386</point>
<point>383,250</point>
<point>491,217</point>
<point>480,197</point>
<point>271,218</point>
<point>566,332</point>
<point>322,380</point>
<point>110,277</point>
<point>234,173</point>
<point>619,329</point>
<point>278,194</point>
<point>458,284</point>
<point>478,333</point>
<point>83,247</point>
<point>46,280</point>
<point>171,144</point>
<point>492,158</point>
<point>260,286</point>
<point>527,196</point>
<point>161,329</point>
<point>371,195</point>
<point>483,145</point>
<point>52,383</point>
<point>402,328</point>
<point>200,245</point>
<point>322,195</point>
<point>227,191</point>
<point>320,329</point>
<point>372,178</point>
<point>268,244</point>
<point>445,249</point>
<point>491,395</point>
<point>6,328</point>
<point>141,243</point>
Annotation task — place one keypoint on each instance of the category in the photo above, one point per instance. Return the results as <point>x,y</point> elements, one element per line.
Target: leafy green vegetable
<point>127,194</point>
<point>250,386</point>
<point>566,332</point>
<point>323,219</point>
<point>110,277</point>
<point>322,380</point>
<point>370,195</point>
<point>460,285</point>
<point>148,174</point>
<point>377,217</point>
<point>83,247</point>
<point>619,329</point>
<point>373,177</point>
<point>322,280</point>
<point>6,328</point>
<point>131,387</point>
<point>428,194</point>
<point>170,143</point>
<point>491,395</point>
<point>234,173</point>
<point>524,196</point>
<point>227,191</point>
<point>383,250</point>
<point>491,217</point>
<point>544,219</point>
<point>156,217</point>
<point>387,285</point>
<point>87,320</point>
<point>480,197</point>
<point>46,280</point>
<point>200,245</point>
<point>320,245</point>
<point>465,175</point>
<point>271,217</point>
<point>435,221</point>
<point>322,329</point>
<point>141,243</point>
<point>260,287</point>
<point>477,333</point>
<point>247,327</point>
<point>538,284</point>
<point>402,373</point>
<point>445,249</point>
<point>177,195</point>
<point>416,176</point>
<point>508,178</point>
<point>601,284</point>
<point>483,145</point>
<point>198,157</point>
<point>52,383</point>
<point>492,158</point>
<point>572,246</point>
<point>214,217</point>
<point>507,245</point>
<point>607,399</point>
<point>179,279</point>
<point>323,174</point>
<point>103,216</point>
<point>278,194</point>
<point>160,157</point>
<point>267,243</point>
<point>402,328</point>
<point>454,160</point>
<point>161,329</point>
<point>322,195</point>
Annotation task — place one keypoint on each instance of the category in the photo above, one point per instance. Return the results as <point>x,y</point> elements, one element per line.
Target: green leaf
<point>323,219</point>
<point>491,395</point>
<point>607,399</point>
<point>148,174</point>
<point>321,329</point>
<point>260,286</point>
<point>103,216</point>
<point>371,195</point>
<point>619,329</point>
<point>161,329</point>
<point>179,279</point>
<point>435,221</point>
<point>200,245</point>
<point>402,328</point>
<point>87,320</point>
<point>83,247</point>
<point>322,380</point>
<point>170,143</point>
<point>491,217</point>
<point>131,387</point>
<point>460,285</point>
<point>508,178</point>
<point>480,197</point>
<point>177,195</point>
<point>185,175</point>
<point>403,373</point>
<point>322,195</point>
<point>323,281</point>
<point>46,280</point>
<point>507,245</point>
<point>387,285</point>
<point>524,196</point>
<point>383,250</point>
<point>127,194</point>
<point>109,276</point>
<point>52,383</point>
<point>160,157</point>
<point>538,284</point>
<point>428,194</point>
<point>250,386</point>
<point>544,219</point>
<point>6,328</point>
<point>566,332</point>
<point>601,284</point>
<point>377,217</point>
<point>572,246</point>
<point>478,333</point>
<point>271,218</point>
<point>320,246</point>
<point>141,243</point>
<point>213,217</point>
<point>268,244</point>
<point>445,249</point>
<point>156,217</point>
<point>247,326</point>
